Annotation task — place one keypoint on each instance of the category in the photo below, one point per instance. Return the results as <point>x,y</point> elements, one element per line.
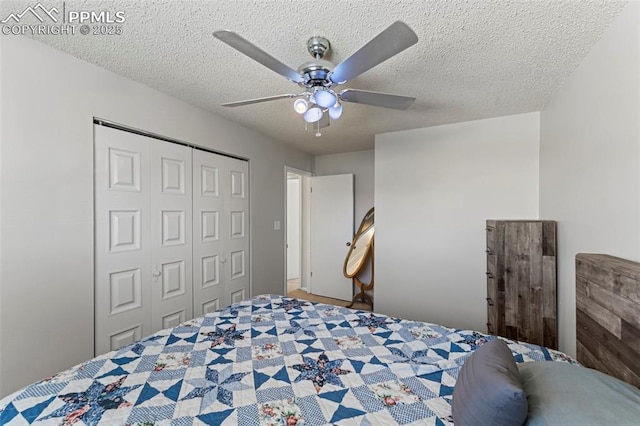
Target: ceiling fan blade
<point>254,52</point>
<point>258,100</point>
<point>396,38</point>
<point>379,99</point>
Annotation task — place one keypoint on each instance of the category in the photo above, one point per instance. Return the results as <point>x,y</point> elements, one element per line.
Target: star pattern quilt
<point>269,360</point>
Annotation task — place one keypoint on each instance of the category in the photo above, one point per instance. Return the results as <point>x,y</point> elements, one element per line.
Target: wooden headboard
<point>608,315</point>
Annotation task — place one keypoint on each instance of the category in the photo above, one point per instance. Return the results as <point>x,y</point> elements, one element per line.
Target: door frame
<point>305,255</point>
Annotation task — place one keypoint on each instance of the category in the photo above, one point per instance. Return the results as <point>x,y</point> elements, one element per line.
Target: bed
<point>270,360</point>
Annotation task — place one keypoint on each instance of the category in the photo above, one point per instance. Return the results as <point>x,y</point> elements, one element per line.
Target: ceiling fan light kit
<point>312,115</point>
<point>319,101</point>
<point>335,111</point>
<point>325,98</point>
<point>300,106</point>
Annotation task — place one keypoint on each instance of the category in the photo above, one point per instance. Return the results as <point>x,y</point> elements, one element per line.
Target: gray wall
<point>48,103</point>
<point>590,160</point>
<point>434,190</point>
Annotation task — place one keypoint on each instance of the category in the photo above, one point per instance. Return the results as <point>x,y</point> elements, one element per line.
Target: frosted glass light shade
<point>335,111</point>
<point>325,99</point>
<point>300,106</point>
<point>312,115</point>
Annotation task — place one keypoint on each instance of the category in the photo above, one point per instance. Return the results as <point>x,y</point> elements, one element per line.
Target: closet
<point>171,234</point>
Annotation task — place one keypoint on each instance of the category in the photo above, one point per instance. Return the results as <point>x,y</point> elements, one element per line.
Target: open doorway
<point>294,231</point>
<point>297,255</point>
<point>298,248</point>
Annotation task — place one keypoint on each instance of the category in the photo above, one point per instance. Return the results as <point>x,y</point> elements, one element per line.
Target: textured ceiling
<point>473,60</point>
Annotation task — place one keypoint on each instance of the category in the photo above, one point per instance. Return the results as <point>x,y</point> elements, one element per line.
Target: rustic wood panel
<point>511,279</point>
<point>501,326</point>
<point>607,341</point>
<point>549,285</point>
<point>589,360</point>
<point>614,283</point>
<point>608,315</point>
<point>549,238</point>
<point>521,271</point>
<point>631,335</point>
<point>625,308</point>
<point>492,290</point>
<point>536,299</point>
<point>520,259</point>
<point>610,321</point>
<point>550,330</point>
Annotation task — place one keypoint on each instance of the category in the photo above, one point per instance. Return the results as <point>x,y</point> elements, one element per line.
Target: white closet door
<point>221,231</point>
<point>171,235</point>
<point>171,264</point>
<point>208,284</point>
<point>122,252</point>
<point>236,258</point>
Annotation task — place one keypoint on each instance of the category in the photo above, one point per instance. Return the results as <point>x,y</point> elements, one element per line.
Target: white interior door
<point>171,257</point>
<point>122,252</point>
<point>331,230</point>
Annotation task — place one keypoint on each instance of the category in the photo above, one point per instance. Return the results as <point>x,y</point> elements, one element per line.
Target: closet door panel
<point>208,217</point>
<point>221,231</point>
<point>236,181</point>
<point>122,267</point>
<point>171,234</point>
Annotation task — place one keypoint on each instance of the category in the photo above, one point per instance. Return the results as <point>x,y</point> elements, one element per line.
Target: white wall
<point>590,160</point>
<point>48,102</point>
<point>434,190</point>
<point>361,165</point>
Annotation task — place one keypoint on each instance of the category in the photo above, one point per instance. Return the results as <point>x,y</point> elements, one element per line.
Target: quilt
<point>270,360</point>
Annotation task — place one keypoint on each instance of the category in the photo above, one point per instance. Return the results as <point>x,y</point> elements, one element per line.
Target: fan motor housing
<point>315,73</point>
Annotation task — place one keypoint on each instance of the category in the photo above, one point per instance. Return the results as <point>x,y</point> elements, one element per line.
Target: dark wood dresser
<point>521,280</point>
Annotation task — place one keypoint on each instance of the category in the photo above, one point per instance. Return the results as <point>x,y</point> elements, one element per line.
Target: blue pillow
<point>564,394</point>
<point>488,390</point>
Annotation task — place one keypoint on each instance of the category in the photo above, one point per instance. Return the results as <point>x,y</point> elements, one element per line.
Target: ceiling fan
<point>319,78</point>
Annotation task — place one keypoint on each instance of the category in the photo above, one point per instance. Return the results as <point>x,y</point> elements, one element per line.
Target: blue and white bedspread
<point>270,360</point>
